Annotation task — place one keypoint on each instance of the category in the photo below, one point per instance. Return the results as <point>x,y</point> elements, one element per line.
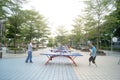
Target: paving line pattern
<point>107,69</point>
<point>16,69</point>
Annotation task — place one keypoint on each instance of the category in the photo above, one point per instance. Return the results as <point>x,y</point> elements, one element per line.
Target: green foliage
<point>10,32</point>
<point>22,25</point>
<point>50,42</point>
<point>113,21</point>
<point>15,48</point>
<point>34,26</point>
<point>62,35</point>
<point>101,19</point>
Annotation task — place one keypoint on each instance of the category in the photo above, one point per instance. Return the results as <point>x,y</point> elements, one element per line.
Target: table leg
<point>72,60</point>
<point>49,59</point>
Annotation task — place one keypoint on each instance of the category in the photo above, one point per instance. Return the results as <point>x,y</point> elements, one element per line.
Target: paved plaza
<point>13,67</point>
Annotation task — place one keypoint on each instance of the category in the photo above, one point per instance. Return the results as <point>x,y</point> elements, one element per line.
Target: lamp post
<point>0,32</point>
<point>9,41</point>
<point>0,39</point>
<point>112,39</point>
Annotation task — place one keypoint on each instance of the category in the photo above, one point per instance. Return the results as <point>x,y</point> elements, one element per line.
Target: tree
<point>16,20</point>
<point>112,21</point>
<point>78,30</point>
<point>35,26</point>
<point>50,42</point>
<point>61,37</point>
<point>4,6</point>
<point>13,7</point>
<point>98,9</point>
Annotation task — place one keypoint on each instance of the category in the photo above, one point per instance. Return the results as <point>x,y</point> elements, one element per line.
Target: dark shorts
<point>92,59</point>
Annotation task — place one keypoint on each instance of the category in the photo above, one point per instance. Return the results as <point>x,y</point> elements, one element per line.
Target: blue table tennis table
<point>70,56</point>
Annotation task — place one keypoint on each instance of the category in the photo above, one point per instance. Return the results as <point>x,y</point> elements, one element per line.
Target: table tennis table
<point>70,56</point>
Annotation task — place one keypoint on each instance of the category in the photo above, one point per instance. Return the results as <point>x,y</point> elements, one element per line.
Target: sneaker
<point>31,62</point>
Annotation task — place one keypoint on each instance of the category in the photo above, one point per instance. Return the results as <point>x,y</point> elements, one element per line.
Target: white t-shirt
<point>30,47</point>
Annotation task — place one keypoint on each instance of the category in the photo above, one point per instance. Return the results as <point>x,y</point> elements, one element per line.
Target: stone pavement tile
<point>107,69</point>
<point>59,68</point>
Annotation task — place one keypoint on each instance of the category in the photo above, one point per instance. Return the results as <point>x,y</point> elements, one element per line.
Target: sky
<point>58,12</point>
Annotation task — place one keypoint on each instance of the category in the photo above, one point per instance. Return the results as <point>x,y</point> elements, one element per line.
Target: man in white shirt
<point>29,57</point>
